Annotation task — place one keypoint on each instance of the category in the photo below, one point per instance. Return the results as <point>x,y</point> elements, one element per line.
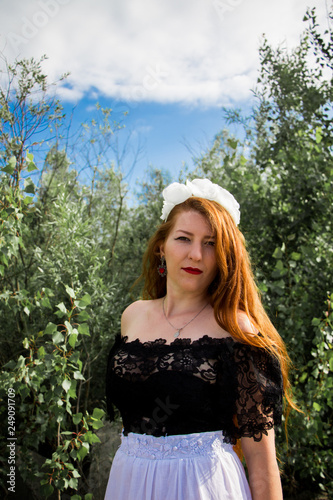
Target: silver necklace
<point>182,328</point>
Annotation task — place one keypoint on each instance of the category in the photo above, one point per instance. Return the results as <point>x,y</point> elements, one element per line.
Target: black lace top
<point>194,386</point>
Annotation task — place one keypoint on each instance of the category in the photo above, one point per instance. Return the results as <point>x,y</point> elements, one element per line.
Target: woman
<point>199,367</point>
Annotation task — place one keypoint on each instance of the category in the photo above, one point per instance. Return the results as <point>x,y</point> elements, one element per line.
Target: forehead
<point>192,221</point>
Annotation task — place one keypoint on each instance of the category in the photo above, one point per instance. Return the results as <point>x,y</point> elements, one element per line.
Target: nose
<point>195,252</point>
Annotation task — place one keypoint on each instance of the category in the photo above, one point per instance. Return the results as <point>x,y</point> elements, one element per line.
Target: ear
<point>161,249</point>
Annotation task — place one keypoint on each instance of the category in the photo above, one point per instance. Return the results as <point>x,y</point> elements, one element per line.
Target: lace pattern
<point>160,356</point>
<point>174,447</point>
<point>212,384</point>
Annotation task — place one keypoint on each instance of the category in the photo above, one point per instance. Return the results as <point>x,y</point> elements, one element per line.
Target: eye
<point>182,238</point>
<point>210,243</point>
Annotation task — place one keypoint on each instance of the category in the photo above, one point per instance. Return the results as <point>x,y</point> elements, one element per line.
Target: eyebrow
<point>210,236</point>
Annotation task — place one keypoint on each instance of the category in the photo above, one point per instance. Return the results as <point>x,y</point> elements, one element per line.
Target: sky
<point>172,64</point>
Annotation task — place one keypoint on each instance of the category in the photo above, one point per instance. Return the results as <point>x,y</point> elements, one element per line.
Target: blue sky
<point>172,63</point>
<point>170,135</point>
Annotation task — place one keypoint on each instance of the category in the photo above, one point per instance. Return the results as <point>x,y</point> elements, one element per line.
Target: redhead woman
<point>198,371</point>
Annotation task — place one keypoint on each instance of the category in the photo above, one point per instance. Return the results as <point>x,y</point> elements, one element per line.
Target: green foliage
<point>46,379</point>
<point>26,110</point>
<point>310,435</point>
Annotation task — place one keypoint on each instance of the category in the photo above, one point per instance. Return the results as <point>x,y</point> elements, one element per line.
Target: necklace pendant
<point>177,334</point>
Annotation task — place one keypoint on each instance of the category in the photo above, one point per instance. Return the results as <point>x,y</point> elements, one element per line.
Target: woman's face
<point>189,251</point>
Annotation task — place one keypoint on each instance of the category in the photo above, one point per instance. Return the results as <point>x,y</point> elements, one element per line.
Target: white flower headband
<point>177,193</point>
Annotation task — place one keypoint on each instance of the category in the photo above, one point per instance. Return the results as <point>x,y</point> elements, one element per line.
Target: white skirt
<point>178,467</point>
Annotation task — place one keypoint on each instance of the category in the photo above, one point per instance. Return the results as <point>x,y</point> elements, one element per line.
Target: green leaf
<point>84,301</point>
<point>97,424</point>
<point>77,417</point>
<point>319,135</point>
<point>69,327</point>
<point>60,484</point>
<point>70,292</point>
<point>50,328</point>
<point>31,167</point>
<point>295,256</point>
<point>10,168</point>
<point>10,365</point>
<point>27,200</point>
<point>83,316</point>
<point>98,413</point>
<point>30,162</point>
<point>316,406</point>
<point>278,254</point>
<point>60,314</point>
<point>90,438</point>
<point>41,352</point>
<point>29,186</point>
<point>83,329</point>
<point>66,384</point>
<point>58,338</point>
<point>46,490</point>
<point>46,302</point>
<point>72,339</point>
<point>78,375</point>
<point>62,307</point>
<point>24,391</point>
<point>70,466</point>
<point>82,452</point>
<point>233,143</point>
<point>72,391</point>
<point>73,483</point>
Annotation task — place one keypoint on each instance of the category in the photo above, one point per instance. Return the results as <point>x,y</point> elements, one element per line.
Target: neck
<point>177,305</point>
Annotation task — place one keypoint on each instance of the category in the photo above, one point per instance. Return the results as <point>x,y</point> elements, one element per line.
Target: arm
<point>264,475</point>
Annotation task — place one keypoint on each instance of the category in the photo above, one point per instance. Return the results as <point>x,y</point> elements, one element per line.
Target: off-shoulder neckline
<point>183,341</point>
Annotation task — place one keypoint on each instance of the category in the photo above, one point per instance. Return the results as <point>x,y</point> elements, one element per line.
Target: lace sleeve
<point>259,395</point>
<point>252,385</point>
<point>108,385</point>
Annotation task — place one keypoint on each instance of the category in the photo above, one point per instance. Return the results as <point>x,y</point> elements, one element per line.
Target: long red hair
<point>232,290</point>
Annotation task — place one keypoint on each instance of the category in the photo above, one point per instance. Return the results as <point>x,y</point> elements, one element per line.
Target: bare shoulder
<point>133,309</point>
<point>134,313</point>
<point>245,323</point>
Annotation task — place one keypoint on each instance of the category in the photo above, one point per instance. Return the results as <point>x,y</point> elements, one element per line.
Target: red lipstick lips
<point>192,270</point>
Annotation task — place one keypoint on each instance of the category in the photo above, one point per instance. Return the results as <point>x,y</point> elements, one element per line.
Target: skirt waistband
<point>175,446</point>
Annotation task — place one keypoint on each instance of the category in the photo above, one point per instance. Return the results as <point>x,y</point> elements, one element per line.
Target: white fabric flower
<point>202,188</point>
<point>173,195</point>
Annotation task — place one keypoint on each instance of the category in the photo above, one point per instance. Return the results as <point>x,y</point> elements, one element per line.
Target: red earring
<point>162,269</point>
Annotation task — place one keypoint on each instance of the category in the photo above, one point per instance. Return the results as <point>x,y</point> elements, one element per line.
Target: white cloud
<point>189,51</point>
